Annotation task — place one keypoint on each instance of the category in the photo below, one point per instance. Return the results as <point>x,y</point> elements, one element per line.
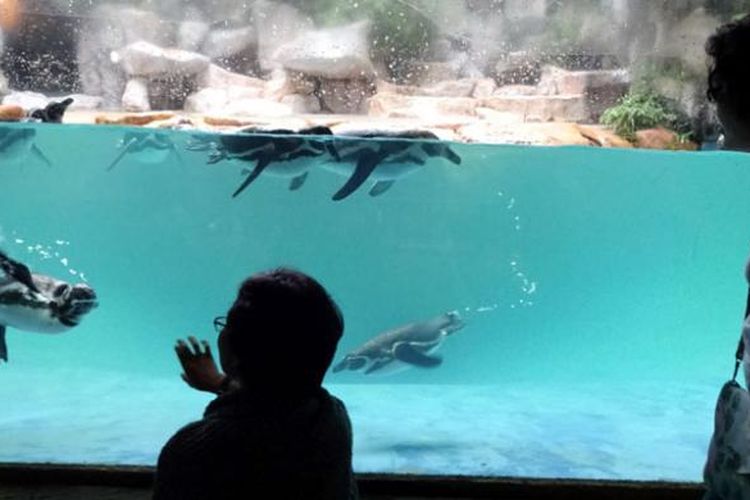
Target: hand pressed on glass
<point>200,370</point>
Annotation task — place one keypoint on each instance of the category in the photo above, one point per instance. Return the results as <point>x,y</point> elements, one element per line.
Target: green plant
<point>641,109</point>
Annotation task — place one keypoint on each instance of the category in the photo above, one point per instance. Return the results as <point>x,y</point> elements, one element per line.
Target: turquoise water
<point>602,292</point>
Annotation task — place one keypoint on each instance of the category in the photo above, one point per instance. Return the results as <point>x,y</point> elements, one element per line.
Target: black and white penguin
<point>52,112</point>
<point>38,303</point>
<point>277,152</point>
<point>403,347</point>
<point>384,157</point>
<point>151,147</point>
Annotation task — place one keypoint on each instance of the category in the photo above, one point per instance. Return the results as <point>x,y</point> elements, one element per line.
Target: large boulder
<point>333,65</point>
<point>234,49</point>
<point>276,24</point>
<point>110,27</point>
<point>336,53</point>
<point>170,75</point>
<point>149,60</point>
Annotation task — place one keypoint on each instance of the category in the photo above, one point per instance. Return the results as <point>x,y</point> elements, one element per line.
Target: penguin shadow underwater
<point>38,303</point>
<point>403,347</point>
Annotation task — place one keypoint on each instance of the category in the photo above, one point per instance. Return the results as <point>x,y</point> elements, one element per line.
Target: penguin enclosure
<point>566,309</point>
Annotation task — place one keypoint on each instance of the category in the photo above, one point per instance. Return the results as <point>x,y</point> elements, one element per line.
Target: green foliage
<point>401,30</point>
<point>641,109</point>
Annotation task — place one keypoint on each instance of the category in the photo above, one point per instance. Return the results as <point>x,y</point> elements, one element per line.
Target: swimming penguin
<point>384,157</point>
<point>151,147</point>
<point>38,303</point>
<point>400,348</point>
<point>52,112</point>
<point>279,152</point>
<point>17,143</point>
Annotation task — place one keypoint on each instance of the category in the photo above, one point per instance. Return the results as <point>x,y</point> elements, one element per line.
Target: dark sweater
<point>246,447</point>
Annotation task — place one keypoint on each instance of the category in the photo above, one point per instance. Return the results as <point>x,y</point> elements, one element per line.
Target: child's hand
<point>201,372</point>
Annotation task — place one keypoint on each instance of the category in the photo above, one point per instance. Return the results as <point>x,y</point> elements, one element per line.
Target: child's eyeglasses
<point>220,322</point>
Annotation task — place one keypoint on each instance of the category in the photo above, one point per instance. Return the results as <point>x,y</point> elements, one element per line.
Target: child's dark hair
<point>729,76</point>
<point>284,328</point>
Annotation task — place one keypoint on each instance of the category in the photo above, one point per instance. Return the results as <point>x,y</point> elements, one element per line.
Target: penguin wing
<point>408,353</point>
<point>17,271</point>
<point>366,164</point>
<point>126,148</point>
<point>263,162</point>
<point>3,345</point>
<point>298,181</point>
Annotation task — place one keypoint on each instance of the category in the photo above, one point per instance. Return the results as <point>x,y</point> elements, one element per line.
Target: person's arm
<point>200,370</point>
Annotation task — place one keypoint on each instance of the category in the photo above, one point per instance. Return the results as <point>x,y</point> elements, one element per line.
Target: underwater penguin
<point>385,157</point>
<point>278,152</point>
<point>157,144</point>
<point>400,348</point>
<point>38,303</point>
<point>17,143</point>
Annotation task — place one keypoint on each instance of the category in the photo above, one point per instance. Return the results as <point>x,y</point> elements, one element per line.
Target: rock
<point>218,77</point>
<point>542,134</point>
<point>300,83</point>
<point>514,90</point>
<point>207,100</point>
<point>277,24</point>
<point>386,87</point>
<point>337,53</point>
<point>345,96</point>
<point>399,106</point>
<point>603,137</point>
<point>278,86</point>
<point>498,116</point>
<point>26,99</point>
<point>110,27</point>
<point>660,138</point>
<point>146,59</point>
<point>256,107</point>
<point>11,113</point>
<point>210,99</point>
<point>83,102</point>
<point>234,101</point>
<point>518,68</point>
<point>484,88</point>
<point>302,104</point>
<point>541,108</point>
<point>450,88</point>
<point>434,72</point>
<point>132,119</point>
<point>234,49</point>
<point>602,88</point>
<point>191,35</point>
<point>173,123</point>
<point>443,133</point>
<point>135,98</point>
